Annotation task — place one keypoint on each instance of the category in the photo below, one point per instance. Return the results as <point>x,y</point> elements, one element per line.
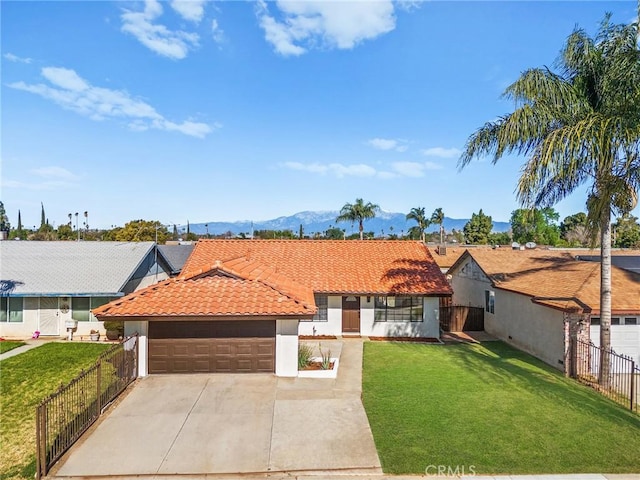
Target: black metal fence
<point>65,415</point>
<point>620,381</point>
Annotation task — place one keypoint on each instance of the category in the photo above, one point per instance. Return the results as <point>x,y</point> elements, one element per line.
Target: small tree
<point>43,217</point>
<point>5,226</point>
<point>535,225</point>
<point>627,232</point>
<point>142,231</point>
<point>478,228</point>
<point>574,230</point>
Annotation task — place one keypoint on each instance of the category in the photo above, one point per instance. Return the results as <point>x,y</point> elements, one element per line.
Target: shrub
<point>304,355</point>
<point>325,361</point>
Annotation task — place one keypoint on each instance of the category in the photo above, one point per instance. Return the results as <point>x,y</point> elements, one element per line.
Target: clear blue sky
<point>217,111</point>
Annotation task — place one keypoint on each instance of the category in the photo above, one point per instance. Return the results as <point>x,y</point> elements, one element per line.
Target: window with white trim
<point>398,309</point>
<point>81,307</point>
<point>11,309</point>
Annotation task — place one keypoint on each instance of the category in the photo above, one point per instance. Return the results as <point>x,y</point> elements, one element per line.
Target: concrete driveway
<point>199,424</point>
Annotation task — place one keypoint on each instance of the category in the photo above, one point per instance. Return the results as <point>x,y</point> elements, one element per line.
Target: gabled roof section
<point>556,279</point>
<point>176,256</point>
<point>232,289</point>
<point>31,268</point>
<point>334,266</point>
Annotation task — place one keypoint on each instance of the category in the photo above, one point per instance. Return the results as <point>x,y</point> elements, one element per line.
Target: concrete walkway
<point>31,343</point>
<point>228,424</point>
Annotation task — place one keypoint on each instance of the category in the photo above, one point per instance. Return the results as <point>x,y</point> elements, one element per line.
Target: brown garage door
<point>212,347</point>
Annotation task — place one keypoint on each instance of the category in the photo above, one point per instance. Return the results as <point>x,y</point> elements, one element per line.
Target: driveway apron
<point>249,423</point>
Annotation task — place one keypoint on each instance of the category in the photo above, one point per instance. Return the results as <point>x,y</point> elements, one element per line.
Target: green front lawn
<point>492,409</point>
<point>7,345</point>
<point>25,380</point>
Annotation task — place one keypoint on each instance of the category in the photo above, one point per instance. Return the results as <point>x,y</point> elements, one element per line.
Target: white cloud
<point>64,78</point>
<point>72,92</point>
<point>441,152</point>
<point>49,178</point>
<point>216,32</point>
<point>54,172</point>
<point>408,5</point>
<point>413,169</point>
<point>337,169</point>
<point>388,144</point>
<point>157,37</point>
<point>192,10</point>
<point>14,58</point>
<point>397,169</point>
<point>322,23</point>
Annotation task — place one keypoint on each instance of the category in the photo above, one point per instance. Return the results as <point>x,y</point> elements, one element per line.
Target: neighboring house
<point>176,254</point>
<point>445,256</point>
<point>629,260</point>
<point>217,314</point>
<point>45,284</point>
<point>536,299</point>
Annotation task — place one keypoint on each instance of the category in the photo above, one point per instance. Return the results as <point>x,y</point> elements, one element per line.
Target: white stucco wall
<point>142,329</point>
<point>534,328</point>
<point>29,322</point>
<point>333,325</point>
<point>287,348</point>
<point>429,327</point>
<point>32,315</point>
<point>516,320</point>
<point>469,284</point>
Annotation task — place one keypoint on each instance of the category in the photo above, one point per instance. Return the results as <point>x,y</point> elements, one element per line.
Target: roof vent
<point>442,250</point>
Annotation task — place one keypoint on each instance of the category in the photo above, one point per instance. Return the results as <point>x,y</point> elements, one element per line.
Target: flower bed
<point>314,369</point>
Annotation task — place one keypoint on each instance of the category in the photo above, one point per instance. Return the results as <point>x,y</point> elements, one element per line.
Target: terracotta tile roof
<point>231,289</point>
<point>556,277</point>
<point>334,266</point>
<point>451,254</point>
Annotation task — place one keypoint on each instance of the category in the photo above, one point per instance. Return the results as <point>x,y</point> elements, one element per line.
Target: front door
<point>351,314</point>
<point>49,316</point>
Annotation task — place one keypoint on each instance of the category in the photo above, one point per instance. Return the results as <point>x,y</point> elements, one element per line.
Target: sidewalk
<point>30,343</point>
<point>328,475</point>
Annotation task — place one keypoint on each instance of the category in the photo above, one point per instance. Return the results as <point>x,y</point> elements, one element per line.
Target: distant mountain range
<point>314,222</point>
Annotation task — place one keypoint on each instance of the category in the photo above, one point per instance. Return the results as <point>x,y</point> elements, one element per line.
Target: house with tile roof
<point>535,299</point>
<point>47,286</point>
<point>238,303</point>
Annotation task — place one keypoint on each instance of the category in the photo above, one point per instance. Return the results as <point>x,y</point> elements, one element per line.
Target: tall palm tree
<point>438,217</point>
<point>578,126</point>
<point>358,212</point>
<point>417,214</point>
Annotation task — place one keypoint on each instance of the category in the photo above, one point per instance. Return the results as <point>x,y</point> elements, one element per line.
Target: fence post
<point>98,385</point>
<point>41,424</point>
<point>137,361</point>
<point>39,448</point>
<point>633,386</point>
